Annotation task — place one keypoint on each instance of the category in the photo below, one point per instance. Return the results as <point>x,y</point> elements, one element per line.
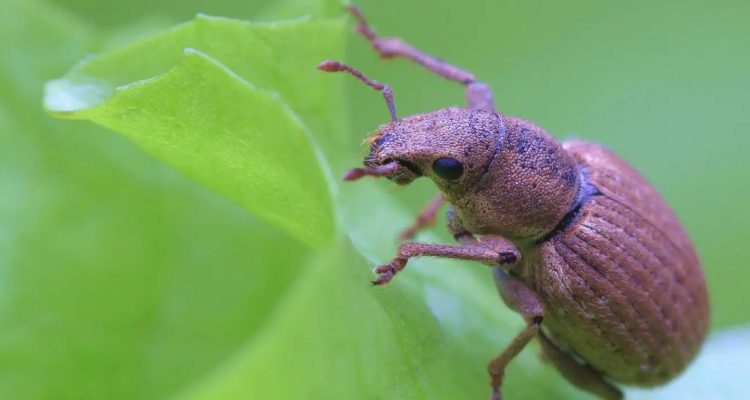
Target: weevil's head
<point>452,146</point>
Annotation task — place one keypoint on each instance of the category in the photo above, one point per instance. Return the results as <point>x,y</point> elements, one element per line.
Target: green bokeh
<point>176,302</point>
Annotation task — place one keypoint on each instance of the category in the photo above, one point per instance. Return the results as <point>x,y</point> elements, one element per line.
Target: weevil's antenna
<point>335,66</point>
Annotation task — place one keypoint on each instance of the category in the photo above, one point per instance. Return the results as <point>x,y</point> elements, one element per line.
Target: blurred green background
<point>120,278</point>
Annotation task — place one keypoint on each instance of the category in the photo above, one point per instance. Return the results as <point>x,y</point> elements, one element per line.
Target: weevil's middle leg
<point>478,94</point>
<point>426,218</point>
<point>518,297</point>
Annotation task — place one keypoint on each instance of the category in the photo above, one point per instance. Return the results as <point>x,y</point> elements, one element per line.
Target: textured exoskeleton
<point>581,244</point>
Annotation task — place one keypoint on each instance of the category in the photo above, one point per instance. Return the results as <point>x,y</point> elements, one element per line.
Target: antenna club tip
<point>329,66</point>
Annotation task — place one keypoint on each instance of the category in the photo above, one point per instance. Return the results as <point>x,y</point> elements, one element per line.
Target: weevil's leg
<point>426,218</point>
<point>518,297</point>
<point>580,375</point>
<point>484,251</point>
<point>478,94</point>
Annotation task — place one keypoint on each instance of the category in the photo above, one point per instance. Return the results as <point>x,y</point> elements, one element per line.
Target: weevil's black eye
<point>448,168</point>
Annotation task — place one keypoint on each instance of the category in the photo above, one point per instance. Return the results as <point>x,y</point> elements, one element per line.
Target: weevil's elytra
<point>581,245</point>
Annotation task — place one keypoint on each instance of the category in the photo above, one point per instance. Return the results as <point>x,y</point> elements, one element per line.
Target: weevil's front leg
<point>425,218</point>
<point>580,375</point>
<point>523,300</point>
<point>470,252</point>
<point>491,250</point>
<point>478,94</point>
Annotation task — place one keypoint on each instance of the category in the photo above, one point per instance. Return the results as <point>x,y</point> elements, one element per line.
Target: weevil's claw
<point>496,395</point>
<point>383,279</point>
<point>388,271</point>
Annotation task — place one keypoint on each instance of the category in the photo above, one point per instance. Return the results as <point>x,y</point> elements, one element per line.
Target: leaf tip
<point>63,97</point>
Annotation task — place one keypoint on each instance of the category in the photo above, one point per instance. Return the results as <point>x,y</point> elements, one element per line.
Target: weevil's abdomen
<point>621,284</point>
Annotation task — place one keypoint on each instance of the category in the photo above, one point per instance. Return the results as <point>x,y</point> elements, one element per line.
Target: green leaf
<point>121,279</point>
<point>189,110</point>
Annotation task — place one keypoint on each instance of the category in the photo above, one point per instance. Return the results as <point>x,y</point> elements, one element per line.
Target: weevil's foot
<point>388,271</point>
<point>496,395</point>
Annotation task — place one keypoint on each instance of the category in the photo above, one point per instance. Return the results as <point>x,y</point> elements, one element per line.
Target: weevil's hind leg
<point>425,218</point>
<point>580,375</point>
<point>518,297</point>
<point>478,94</point>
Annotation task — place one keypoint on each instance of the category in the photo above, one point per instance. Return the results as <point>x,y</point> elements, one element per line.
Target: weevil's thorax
<point>530,184</point>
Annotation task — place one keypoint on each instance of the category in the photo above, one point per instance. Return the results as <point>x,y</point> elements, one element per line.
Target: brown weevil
<point>579,242</point>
